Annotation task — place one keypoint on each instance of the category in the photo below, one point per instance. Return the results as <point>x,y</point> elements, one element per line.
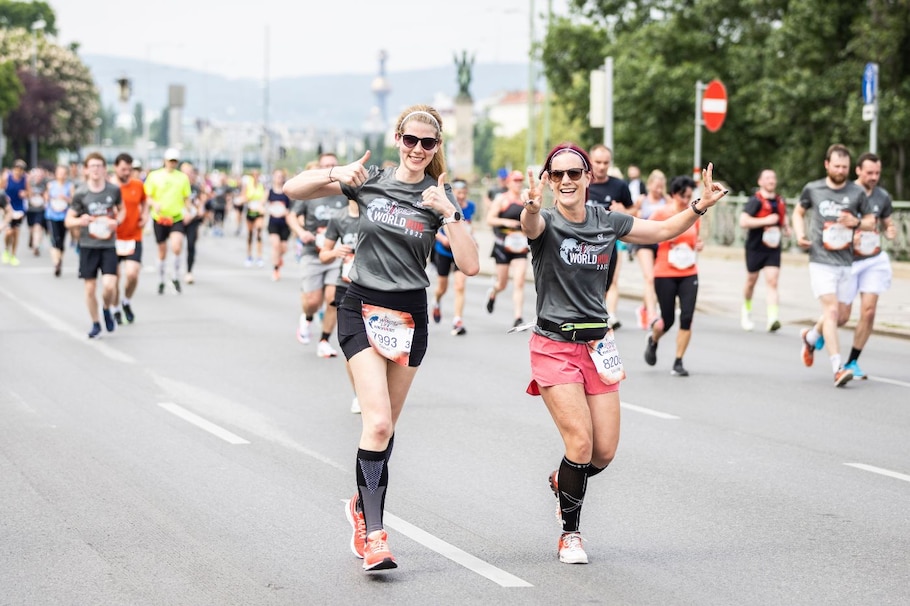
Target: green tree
<point>10,88</point>
<point>23,14</point>
<point>792,72</point>
<point>69,120</point>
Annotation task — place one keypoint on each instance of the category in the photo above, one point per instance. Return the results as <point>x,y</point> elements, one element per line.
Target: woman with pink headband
<point>574,363</point>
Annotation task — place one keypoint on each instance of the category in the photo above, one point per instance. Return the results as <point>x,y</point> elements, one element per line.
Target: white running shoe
<point>745,321</point>
<point>303,330</point>
<point>570,549</point>
<point>325,350</point>
<point>355,406</point>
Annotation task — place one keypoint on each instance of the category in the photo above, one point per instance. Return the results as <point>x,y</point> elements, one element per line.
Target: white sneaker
<point>303,331</point>
<point>745,321</point>
<point>355,406</point>
<point>325,350</point>
<point>570,549</point>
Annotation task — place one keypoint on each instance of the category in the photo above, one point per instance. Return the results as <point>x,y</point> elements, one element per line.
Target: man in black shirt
<point>611,193</point>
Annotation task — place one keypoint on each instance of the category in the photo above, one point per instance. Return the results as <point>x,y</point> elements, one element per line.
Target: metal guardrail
<point>721,226</point>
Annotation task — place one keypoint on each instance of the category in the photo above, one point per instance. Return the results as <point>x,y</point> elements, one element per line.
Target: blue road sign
<point>870,82</point>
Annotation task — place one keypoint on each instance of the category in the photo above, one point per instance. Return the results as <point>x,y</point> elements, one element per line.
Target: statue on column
<point>464,65</point>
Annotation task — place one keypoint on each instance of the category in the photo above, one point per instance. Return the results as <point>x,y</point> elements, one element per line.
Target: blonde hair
<point>429,116</point>
<point>656,175</point>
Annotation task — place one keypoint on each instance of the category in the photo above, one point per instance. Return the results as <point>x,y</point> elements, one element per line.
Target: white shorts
<point>871,275</point>
<point>829,280</point>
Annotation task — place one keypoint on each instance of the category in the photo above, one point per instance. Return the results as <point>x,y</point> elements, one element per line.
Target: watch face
<point>456,216</point>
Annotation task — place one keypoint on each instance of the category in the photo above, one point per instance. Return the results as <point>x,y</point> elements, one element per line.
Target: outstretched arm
<point>322,182</point>
<point>651,232</point>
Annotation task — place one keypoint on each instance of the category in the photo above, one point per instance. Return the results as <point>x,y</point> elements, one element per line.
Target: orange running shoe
<point>842,377</point>
<point>808,350</point>
<point>376,554</point>
<point>359,537</point>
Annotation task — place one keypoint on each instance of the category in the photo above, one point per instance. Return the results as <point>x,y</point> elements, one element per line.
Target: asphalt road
<point>202,456</point>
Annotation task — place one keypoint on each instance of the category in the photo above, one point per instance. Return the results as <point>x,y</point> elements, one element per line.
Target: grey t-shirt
<point>396,232</point>
<point>316,214</point>
<point>879,204</point>
<point>343,230</point>
<point>570,262</point>
<point>827,205</point>
<point>105,203</point>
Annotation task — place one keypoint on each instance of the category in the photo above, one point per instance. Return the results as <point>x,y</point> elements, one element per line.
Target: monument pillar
<point>463,148</point>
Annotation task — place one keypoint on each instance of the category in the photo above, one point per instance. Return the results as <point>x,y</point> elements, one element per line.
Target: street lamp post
<point>37,26</point>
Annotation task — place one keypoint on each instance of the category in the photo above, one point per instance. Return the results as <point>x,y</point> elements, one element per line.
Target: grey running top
<point>396,232</point>
<point>105,203</point>
<point>827,205</point>
<point>316,214</point>
<point>343,230</point>
<point>570,262</point>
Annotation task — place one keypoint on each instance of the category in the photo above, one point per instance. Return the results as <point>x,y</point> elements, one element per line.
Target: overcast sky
<point>307,37</point>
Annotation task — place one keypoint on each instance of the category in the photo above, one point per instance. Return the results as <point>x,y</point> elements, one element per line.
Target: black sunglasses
<point>557,175</point>
<point>428,143</point>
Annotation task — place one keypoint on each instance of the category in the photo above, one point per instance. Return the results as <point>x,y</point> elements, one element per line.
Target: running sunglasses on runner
<point>557,175</point>
<point>428,143</point>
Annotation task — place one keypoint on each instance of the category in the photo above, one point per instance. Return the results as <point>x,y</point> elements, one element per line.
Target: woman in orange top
<point>675,276</point>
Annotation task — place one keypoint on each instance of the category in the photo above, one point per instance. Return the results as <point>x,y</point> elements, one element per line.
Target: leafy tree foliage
<point>66,120</point>
<point>792,69</point>
<point>24,14</point>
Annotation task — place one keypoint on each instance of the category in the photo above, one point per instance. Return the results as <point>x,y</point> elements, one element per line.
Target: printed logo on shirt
<point>574,252</point>
<point>831,208</point>
<point>389,212</point>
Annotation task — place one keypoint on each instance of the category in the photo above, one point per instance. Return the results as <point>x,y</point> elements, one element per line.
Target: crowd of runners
<point>363,235</point>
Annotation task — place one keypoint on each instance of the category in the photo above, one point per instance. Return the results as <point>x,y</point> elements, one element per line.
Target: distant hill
<point>339,101</point>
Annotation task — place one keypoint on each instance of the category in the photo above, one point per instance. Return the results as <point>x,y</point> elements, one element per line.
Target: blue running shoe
<point>857,372</point>
<point>820,344</point>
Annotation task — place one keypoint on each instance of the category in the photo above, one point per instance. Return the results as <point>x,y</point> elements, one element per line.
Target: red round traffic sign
<point>714,105</point>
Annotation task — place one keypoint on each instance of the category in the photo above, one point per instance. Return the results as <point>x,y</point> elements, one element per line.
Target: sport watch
<point>453,219</point>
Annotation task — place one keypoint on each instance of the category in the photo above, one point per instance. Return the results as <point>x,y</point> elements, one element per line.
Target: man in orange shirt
<point>129,235</point>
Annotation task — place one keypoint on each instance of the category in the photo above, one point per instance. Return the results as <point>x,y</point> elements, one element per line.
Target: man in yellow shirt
<point>168,190</point>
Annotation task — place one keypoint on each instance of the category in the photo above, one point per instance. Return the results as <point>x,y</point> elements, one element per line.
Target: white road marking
<point>60,326</point>
<point>201,423</point>
<point>647,411</point>
<point>890,381</point>
<point>880,471</point>
<point>447,550</point>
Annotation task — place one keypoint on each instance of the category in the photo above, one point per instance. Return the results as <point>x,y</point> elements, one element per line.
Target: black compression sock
<point>325,336</point>
<point>854,355</point>
<point>573,482</point>
<point>372,481</point>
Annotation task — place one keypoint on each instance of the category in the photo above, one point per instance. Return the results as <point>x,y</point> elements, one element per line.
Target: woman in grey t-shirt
<point>574,364</point>
<point>382,322</point>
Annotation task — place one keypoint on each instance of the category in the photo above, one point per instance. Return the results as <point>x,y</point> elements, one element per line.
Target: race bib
<point>255,206</point>
<point>836,236</point>
<point>770,237</point>
<point>277,209</point>
<point>605,356</point>
<point>681,256</point>
<point>190,211</point>
<point>867,243</point>
<point>100,229</point>
<point>59,205</point>
<point>391,332</point>
<point>125,247</point>
<point>346,266</point>
<point>320,238</point>
<point>18,214</point>
<point>36,202</point>
<point>515,242</point>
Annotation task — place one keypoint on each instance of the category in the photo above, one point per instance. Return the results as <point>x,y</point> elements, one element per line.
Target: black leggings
<point>668,290</point>
<point>192,231</point>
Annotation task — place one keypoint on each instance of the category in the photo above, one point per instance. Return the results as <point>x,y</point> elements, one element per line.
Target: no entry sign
<point>714,105</point>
